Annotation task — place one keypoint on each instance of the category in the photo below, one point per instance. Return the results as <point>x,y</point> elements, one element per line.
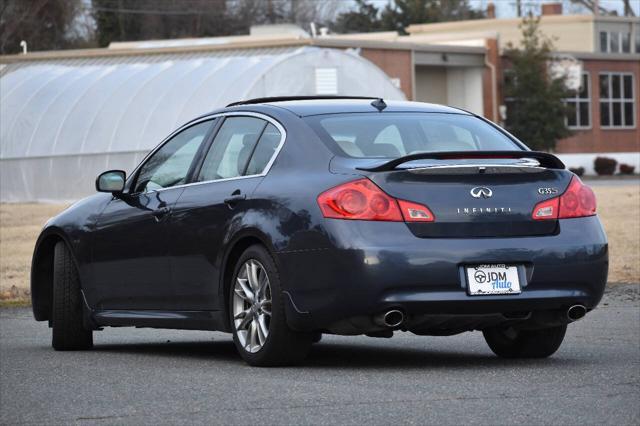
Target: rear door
<point>214,206</point>
<point>130,264</point>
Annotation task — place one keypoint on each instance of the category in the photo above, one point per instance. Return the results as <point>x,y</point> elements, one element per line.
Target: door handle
<point>234,199</point>
<point>160,213</point>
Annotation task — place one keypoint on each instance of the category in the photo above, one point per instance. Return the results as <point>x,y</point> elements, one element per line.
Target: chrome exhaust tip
<point>576,312</point>
<point>392,318</point>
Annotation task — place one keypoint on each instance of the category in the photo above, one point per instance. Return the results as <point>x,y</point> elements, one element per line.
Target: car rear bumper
<point>376,266</point>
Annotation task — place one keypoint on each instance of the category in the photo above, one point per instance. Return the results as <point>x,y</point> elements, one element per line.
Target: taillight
<point>577,201</point>
<point>363,200</point>
<point>546,209</point>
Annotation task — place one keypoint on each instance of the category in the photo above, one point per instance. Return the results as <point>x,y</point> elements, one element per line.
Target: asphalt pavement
<point>143,376</point>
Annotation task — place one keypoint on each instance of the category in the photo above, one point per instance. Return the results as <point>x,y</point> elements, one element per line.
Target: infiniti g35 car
<point>280,219</point>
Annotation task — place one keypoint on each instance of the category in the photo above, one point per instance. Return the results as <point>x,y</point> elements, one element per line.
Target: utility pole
<point>519,8</point>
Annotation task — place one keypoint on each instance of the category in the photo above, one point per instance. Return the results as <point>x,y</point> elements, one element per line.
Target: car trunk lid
<point>478,197</point>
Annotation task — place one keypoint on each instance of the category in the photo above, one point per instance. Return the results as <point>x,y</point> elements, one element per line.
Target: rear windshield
<point>392,135</point>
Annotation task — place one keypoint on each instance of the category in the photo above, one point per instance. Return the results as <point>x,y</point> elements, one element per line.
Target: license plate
<point>493,279</point>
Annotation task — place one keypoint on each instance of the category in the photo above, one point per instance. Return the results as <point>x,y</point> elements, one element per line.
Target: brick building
<point>607,51</point>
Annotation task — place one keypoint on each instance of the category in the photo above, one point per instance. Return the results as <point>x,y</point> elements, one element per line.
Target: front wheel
<point>69,332</point>
<point>260,330</point>
<point>511,343</point>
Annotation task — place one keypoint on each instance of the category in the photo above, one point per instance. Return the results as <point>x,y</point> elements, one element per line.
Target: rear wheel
<point>511,343</point>
<point>260,330</point>
<point>67,316</point>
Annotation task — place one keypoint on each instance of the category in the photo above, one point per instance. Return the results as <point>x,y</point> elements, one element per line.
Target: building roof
<point>381,40</point>
<point>491,23</point>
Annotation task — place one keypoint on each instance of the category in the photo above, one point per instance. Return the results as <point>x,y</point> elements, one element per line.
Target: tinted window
<point>231,148</point>
<point>169,165</point>
<point>393,135</point>
<point>263,153</point>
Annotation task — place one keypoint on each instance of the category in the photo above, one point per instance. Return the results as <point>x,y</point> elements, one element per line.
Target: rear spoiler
<point>545,159</point>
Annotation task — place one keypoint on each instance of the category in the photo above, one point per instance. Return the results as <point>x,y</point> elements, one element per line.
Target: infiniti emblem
<point>481,191</point>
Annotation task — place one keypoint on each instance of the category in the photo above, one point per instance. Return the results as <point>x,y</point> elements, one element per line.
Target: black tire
<point>511,343</point>
<point>67,317</point>
<point>283,346</point>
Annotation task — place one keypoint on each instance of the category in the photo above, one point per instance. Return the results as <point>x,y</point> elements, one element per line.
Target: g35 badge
<point>546,191</point>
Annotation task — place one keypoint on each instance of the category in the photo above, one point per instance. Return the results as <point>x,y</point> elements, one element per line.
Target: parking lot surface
<point>143,376</point>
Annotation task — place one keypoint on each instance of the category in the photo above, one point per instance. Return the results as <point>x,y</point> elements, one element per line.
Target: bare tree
<point>597,9</point>
<point>43,24</point>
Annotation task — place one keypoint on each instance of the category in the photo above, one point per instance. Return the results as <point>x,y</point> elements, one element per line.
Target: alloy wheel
<point>252,305</point>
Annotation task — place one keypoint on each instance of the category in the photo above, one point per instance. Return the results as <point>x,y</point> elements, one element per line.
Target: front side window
<point>170,164</point>
<point>244,146</point>
<point>392,135</point>
<point>579,106</point>
<point>617,100</point>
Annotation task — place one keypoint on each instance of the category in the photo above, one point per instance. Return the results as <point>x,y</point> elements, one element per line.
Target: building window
<point>615,42</point>
<point>579,114</point>
<point>617,100</point>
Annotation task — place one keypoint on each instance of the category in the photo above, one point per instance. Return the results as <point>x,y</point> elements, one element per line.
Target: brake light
<point>577,201</point>
<point>363,200</point>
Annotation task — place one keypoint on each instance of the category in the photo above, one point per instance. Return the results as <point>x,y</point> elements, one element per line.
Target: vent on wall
<point>326,81</point>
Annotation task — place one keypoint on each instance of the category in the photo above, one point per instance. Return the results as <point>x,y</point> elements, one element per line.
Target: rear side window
<point>393,135</point>
<point>242,147</point>
<point>264,151</point>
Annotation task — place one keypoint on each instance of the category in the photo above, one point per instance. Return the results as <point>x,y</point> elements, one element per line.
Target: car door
<point>235,163</point>
<point>130,265</point>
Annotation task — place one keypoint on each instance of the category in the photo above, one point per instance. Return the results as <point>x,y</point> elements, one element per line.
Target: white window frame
<point>622,100</point>
<point>620,48</point>
<point>578,100</point>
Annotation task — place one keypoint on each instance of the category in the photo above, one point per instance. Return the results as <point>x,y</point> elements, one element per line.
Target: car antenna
<point>379,104</point>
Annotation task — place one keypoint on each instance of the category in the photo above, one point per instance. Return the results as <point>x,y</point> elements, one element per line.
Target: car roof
<point>306,106</point>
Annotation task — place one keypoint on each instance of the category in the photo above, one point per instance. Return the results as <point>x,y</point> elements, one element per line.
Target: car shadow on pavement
<point>351,356</point>
<point>216,350</point>
<point>337,355</point>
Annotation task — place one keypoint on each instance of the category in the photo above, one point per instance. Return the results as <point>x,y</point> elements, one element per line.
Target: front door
<point>130,264</point>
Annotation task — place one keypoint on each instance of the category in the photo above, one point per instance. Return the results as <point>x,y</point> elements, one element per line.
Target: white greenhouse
<point>62,121</point>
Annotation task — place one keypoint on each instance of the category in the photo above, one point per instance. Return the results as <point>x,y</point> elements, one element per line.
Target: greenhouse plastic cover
<point>64,121</point>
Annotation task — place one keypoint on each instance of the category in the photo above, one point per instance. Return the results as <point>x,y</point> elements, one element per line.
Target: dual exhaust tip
<point>392,318</point>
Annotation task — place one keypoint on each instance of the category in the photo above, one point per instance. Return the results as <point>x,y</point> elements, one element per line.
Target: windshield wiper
<point>545,159</point>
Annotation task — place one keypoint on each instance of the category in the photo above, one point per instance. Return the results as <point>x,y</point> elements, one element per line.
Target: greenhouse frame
<point>65,120</point>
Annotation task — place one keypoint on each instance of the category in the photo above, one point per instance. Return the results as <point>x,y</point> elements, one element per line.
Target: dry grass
<point>20,225</point>
<point>619,209</point>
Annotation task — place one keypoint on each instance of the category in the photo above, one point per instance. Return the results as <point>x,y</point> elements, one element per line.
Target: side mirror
<point>111,181</point>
